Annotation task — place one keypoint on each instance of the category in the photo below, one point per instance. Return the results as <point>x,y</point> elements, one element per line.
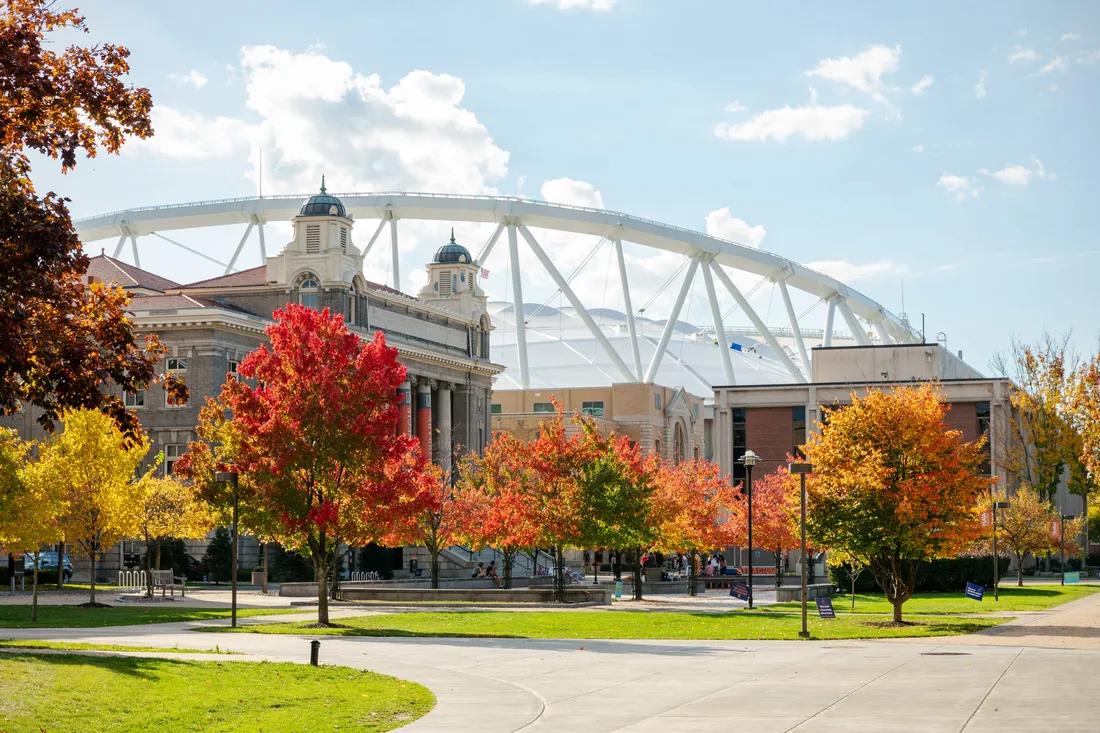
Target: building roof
<point>109,270</point>
<point>323,204</point>
<point>453,252</point>
<point>180,301</point>
<point>244,278</point>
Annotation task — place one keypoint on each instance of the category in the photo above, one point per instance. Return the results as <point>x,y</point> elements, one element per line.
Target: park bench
<point>167,582</point>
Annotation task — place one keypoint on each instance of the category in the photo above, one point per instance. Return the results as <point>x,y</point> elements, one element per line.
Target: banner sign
<point>975,591</point>
<point>1056,528</point>
<point>825,607</point>
<point>740,591</point>
<point>1072,576</point>
<point>618,590</point>
<point>987,519</point>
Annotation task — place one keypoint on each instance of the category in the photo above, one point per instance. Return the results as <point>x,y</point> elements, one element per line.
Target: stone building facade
<point>209,326</point>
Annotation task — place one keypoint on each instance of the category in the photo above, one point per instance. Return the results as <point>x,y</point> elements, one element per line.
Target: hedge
<point>936,576</point>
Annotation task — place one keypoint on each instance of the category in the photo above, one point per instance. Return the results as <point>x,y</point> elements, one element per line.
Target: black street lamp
<point>230,477</point>
<point>802,469</point>
<point>997,558</point>
<point>1062,542</point>
<point>749,459</point>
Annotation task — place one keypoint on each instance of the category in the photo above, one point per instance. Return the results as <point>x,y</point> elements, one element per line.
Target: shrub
<point>936,576</point>
<point>289,567</point>
<point>218,560</point>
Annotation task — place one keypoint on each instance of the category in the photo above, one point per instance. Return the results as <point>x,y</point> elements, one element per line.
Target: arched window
<point>352,314</point>
<point>678,443</point>
<point>657,447</point>
<point>309,292</point>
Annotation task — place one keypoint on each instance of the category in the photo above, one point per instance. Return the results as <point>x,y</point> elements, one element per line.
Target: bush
<point>289,567</point>
<point>937,576</point>
<point>218,560</point>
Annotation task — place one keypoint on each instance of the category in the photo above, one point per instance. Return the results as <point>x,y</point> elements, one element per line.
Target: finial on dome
<point>452,235</point>
<point>322,183</point>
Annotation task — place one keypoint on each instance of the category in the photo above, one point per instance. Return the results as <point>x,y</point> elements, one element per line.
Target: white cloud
<point>1070,36</point>
<point>918,148</point>
<point>920,86</point>
<point>1019,53</point>
<point>571,192</point>
<point>849,272</point>
<point>979,88</point>
<point>721,224</point>
<point>1089,57</point>
<point>191,78</point>
<point>1019,175</point>
<point>1055,64</point>
<point>864,71</point>
<point>1042,172</point>
<point>1022,32</point>
<point>815,122</point>
<point>600,5</point>
<point>735,106</point>
<point>191,136</point>
<point>962,188</point>
<point>946,268</point>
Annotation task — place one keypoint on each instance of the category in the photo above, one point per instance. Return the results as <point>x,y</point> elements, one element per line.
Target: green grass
<point>19,616</point>
<point>1028,598</point>
<point>79,646</point>
<point>73,693</point>
<point>623,625</point>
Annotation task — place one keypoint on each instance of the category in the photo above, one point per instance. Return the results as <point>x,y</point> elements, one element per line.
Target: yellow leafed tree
<point>170,510</point>
<point>92,468</point>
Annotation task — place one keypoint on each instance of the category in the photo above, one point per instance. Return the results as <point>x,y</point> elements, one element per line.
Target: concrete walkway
<point>984,682</point>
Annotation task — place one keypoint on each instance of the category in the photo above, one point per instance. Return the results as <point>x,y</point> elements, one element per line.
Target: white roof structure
<point>578,345</point>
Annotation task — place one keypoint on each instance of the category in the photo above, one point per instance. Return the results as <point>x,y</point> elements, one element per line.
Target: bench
<point>164,580</point>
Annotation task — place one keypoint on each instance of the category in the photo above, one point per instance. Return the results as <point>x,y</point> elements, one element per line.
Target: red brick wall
<point>963,416</point>
<point>769,434</point>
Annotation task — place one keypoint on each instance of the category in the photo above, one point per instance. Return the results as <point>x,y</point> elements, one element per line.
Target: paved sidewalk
<point>978,684</point>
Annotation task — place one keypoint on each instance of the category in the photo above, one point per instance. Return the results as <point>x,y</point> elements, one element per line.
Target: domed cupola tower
<point>322,246</point>
<point>452,283</point>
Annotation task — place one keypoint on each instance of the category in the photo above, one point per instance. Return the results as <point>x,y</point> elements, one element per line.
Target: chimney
<point>960,354</point>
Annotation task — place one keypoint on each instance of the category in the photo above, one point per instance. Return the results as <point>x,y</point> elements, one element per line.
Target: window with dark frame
<point>494,409</point>
<point>798,424</point>
<point>594,408</point>
<point>740,440</point>
<point>543,407</point>
<point>984,419</point>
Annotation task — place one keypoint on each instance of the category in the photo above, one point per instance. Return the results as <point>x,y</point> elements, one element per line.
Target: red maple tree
<point>775,514</point>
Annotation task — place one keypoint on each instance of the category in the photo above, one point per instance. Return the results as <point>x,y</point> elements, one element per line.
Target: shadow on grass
<point>142,667</point>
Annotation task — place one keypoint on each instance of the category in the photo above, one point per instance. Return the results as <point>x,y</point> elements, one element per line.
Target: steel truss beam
<point>394,254</point>
<point>853,323</point>
<point>219,263</point>
<point>830,316</point>
<point>489,245</point>
<point>374,237</point>
<point>517,308</point>
<point>761,327</point>
<point>798,342</point>
<point>240,246</point>
<point>719,329</point>
<point>670,324</point>
<point>578,306</point>
<point>628,307</point>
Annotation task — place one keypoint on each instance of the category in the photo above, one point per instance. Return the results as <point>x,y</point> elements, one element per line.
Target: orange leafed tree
<point>893,486</point>
<point>697,509</point>
<point>775,514</point>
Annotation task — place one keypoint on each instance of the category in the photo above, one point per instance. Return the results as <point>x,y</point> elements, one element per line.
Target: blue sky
<point>949,145</point>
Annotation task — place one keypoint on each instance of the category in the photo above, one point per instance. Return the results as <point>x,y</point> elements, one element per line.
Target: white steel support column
<point>134,249</point>
<point>719,329</point>
<point>798,342</point>
<point>240,246</point>
<point>263,244</point>
<point>830,316</point>
<point>883,334</point>
<point>628,308</point>
<point>517,308</point>
<point>374,237</point>
<point>670,324</point>
<point>761,327</point>
<point>577,304</point>
<point>489,245</point>
<point>219,263</point>
<point>118,247</point>
<point>853,324</point>
<point>394,254</point>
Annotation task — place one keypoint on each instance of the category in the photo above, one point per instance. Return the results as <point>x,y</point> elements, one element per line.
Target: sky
<point>942,158</point>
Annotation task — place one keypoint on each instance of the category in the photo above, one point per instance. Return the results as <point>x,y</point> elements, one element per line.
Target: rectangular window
<point>798,420</point>
<point>984,416</point>
<point>657,400</point>
<point>593,408</point>
<point>233,364</point>
<point>172,453</point>
<point>313,238</point>
<point>739,442</point>
<point>494,409</point>
<point>134,399</point>
<point>178,368</point>
<point>344,239</point>
<point>544,407</point>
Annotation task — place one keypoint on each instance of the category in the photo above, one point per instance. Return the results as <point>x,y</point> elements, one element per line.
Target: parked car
<point>48,562</point>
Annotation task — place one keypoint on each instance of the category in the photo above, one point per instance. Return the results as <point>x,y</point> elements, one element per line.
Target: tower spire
<point>452,235</point>
<point>322,183</point>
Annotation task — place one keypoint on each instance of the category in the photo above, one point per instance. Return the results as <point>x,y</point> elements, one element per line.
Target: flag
<point>735,346</point>
<point>484,274</point>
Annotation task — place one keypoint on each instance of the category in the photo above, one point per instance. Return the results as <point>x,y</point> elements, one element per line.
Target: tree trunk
<point>778,566</point>
<point>852,573</point>
<point>149,564</point>
<point>321,572</point>
<point>159,544</point>
<point>434,572</point>
<point>34,599</point>
<point>559,574</point>
<point>691,574</point>
<point>897,609</point>
<point>636,561</point>
<point>1019,570</point>
<point>61,566</point>
<point>267,561</point>
<point>91,556</point>
<point>509,557</point>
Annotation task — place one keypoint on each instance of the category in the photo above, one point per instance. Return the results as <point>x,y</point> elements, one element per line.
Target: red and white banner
<point>1056,528</point>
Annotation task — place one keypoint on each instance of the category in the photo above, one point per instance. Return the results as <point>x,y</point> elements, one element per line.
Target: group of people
<point>487,572</point>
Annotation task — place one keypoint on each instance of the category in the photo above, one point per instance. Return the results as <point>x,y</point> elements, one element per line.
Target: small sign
<point>741,591</point>
<point>987,519</point>
<point>757,553</point>
<point>1072,576</point>
<point>1056,528</point>
<point>825,607</point>
<point>975,591</point>
<point>618,590</point>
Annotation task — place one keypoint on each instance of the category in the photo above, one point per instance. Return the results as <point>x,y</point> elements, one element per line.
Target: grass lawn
<point>74,693</point>
<point>19,616</point>
<point>1028,598</point>
<point>623,625</point>
<point>79,646</point>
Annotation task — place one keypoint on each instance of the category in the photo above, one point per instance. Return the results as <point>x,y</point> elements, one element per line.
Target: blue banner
<point>740,591</point>
<point>975,591</point>
<point>1072,576</point>
<point>825,607</point>
<point>618,590</point>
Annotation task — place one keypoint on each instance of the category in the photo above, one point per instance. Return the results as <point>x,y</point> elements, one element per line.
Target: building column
<point>404,408</point>
<point>445,449</point>
<point>424,418</point>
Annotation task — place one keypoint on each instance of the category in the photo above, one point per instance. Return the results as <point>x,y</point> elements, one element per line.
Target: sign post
<point>618,590</point>
<point>802,469</point>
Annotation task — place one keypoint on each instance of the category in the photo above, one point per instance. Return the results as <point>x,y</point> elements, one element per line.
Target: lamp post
<point>802,469</point>
<point>230,477</point>
<point>1062,542</point>
<point>997,558</point>
<point>749,459</point>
